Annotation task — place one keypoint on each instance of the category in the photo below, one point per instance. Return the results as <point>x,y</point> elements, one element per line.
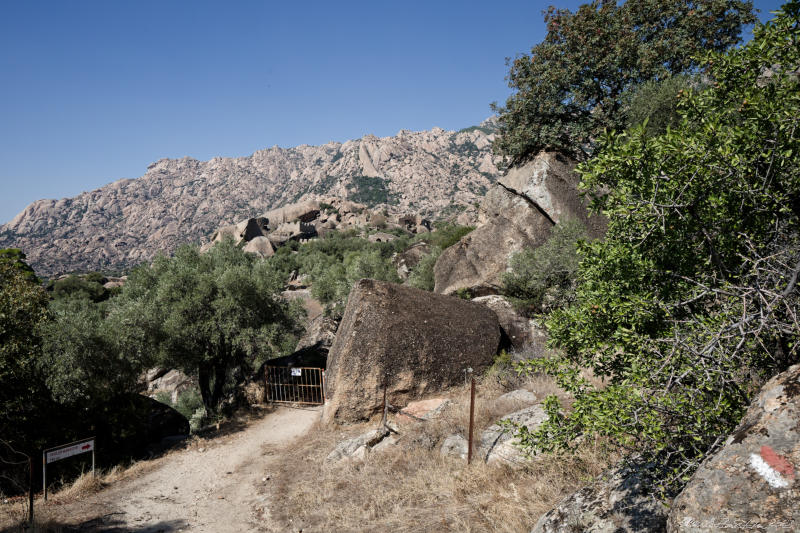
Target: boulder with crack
<point>518,212</point>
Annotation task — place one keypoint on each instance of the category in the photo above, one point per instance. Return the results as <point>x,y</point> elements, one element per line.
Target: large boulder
<point>550,181</point>
<point>619,502</point>
<point>521,332</point>
<point>752,481</point>
<point>476,262</point>
<point>261,246</point>
<point>415,342</point>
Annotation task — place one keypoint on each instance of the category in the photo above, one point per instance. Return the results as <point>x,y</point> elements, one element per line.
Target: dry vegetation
<point>411,487</point>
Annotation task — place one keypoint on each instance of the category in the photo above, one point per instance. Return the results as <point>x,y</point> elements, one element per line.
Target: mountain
<point>179,201</point>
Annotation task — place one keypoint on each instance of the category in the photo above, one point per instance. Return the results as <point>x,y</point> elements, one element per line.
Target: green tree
<point>214,315</point>
<point>573,85</point>
<point>691,301</point>
<point>16,258</point>
<point>86,357</point>
<point>23,312</point>
<point>89,286</point>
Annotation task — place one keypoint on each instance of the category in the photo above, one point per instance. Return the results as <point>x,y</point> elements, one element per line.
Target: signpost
<point>51,455</point>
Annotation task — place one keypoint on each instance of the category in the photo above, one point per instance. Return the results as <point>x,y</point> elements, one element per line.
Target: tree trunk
<point>204,382</point>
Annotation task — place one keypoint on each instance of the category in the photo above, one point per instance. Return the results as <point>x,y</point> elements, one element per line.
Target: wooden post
<point>471,419</point>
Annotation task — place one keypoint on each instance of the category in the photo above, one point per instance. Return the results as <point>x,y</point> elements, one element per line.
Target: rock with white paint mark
<point>753,478</point>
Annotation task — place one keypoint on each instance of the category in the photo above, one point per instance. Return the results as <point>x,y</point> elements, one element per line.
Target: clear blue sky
<point>94,91</point>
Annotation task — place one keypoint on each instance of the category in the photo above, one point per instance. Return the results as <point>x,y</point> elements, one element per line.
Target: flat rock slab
<point>618,502</point>
<point>422,410</point>
<point>496,443</point>
<point>519,395</point>
<point>356,447</point>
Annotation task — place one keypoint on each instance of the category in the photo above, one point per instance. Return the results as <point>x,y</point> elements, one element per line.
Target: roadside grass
<point>411,487</point>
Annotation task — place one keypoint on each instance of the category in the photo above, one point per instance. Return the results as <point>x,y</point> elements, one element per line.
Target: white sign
<point>297,371</point>
<point>69,451</point>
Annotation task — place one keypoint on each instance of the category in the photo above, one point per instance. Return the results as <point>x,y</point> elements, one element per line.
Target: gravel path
<point>218,489</point>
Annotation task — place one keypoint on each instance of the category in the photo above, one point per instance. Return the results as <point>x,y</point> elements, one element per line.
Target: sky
<point>94,91</point>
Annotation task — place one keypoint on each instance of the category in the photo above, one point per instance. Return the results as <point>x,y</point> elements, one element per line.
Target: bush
<point>657,103</point>
<point>445,234</point>
<point>542,279</point>
<point>421,276</point>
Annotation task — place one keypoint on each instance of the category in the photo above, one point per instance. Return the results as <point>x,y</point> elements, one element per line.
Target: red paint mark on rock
<point>778,462</point>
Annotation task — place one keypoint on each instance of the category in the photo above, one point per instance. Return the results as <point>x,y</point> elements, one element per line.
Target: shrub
<point>542,279</point>
<point>657,103</point>
<point>421,276</point>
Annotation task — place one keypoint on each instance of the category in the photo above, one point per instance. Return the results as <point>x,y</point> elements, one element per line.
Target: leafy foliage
<point>370,191</point>
<point>89,286</point>
<point>656,104</point>
<point>421,276</point>
<point>543,279</point>
<point>23,311</point>
<point>691,301</point>
<point>213,315</point>
<point>573,85</point>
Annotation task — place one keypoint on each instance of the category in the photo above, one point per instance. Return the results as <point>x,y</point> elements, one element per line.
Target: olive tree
<point>214,315</point>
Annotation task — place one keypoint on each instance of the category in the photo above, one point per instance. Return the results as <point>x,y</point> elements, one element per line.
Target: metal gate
<point>295,385</point>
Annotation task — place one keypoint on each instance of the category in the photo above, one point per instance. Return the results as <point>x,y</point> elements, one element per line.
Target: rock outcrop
<point>522,333</point>
<point>550,182</point>
<point>415,342</point>
<point>517,212</point>
<point>497,443</point>
<point>619,502</point>
<point>753,482</point>
<point>184,200</point>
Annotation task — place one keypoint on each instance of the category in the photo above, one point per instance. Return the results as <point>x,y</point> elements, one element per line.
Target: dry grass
<point>410,487</point>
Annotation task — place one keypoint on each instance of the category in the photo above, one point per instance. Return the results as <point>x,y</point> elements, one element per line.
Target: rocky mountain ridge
<point>179,201</point>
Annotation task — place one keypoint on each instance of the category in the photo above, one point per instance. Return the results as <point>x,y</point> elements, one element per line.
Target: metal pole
<point>471,419</point>
<point>93,447</point>
<point>30,491</point>
<point>44,474</point>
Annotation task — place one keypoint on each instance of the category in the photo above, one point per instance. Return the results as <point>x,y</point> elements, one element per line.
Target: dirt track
<point>217,490</point>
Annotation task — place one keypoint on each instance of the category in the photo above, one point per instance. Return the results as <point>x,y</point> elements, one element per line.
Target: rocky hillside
<point>184,200</point>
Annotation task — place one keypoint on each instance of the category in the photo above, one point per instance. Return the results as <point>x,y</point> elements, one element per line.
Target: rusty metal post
<point>471,419</point>
<point>385,406</point>
<point>30,490</point>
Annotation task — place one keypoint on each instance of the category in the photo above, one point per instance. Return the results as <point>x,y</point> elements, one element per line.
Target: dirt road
<point>216,490</point>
